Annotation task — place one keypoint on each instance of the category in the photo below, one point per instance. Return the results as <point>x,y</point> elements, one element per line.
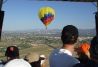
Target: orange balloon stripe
<point>47,20</point>
<point>46,24</point>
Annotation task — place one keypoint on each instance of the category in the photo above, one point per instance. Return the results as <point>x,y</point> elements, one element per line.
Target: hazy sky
<point>23,14</point>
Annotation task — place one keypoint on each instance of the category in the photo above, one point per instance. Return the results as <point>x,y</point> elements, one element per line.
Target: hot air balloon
<point>46,15</point>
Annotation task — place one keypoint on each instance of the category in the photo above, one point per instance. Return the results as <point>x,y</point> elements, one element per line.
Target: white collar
<point>65,51</point>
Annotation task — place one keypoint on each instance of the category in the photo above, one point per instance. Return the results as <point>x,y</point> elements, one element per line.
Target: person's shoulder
<point>55,51</point>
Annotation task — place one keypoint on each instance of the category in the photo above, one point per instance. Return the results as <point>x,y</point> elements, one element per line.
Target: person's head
<point>94,48</point>
<point>42,57</point>
<point>69,34</point>
<point>12,52</point>
<point>84,47</point>
<point>83,50</point>
<point>17,63</point>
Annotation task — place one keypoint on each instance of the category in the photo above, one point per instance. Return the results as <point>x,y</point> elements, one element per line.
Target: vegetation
<point>41,43</point>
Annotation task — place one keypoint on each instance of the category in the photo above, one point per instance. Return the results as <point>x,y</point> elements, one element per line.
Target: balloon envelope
<point>46,15</point>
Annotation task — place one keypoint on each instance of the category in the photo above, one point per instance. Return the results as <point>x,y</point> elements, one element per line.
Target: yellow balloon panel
<point>46,10</point>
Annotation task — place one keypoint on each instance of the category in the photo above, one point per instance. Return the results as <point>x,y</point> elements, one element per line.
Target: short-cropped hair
<point>69,34</point>
<point>12,51</point>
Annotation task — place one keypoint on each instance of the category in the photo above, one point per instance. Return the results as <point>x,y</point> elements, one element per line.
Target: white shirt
<point>65,51</point>
<point>17,63</point>
<point>62,58</point>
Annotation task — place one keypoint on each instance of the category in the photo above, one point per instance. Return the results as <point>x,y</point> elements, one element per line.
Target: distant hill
<point>53,32</point>
<point>87,32</point>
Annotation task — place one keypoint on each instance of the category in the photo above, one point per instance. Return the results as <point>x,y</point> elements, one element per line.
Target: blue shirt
<point>62,58</point>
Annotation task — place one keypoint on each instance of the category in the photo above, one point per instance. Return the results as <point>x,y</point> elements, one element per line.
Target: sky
<point>23,14</point>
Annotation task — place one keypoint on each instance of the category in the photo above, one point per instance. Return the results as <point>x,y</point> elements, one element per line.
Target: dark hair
<point>94,48</point>
<point>12,51</point>
<point>69,34</point>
